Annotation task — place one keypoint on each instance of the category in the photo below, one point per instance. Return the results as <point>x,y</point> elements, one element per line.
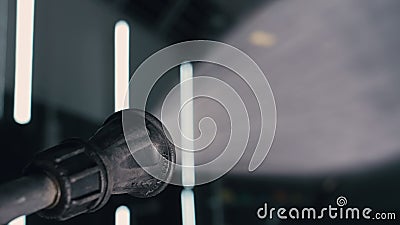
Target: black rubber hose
<point>26,195</point>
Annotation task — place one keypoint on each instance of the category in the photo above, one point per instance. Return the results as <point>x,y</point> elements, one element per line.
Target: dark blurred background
<point>334,67</point>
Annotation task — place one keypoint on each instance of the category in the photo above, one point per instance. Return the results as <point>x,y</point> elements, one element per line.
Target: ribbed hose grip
<point>86,173</point>
<point>80,179</point>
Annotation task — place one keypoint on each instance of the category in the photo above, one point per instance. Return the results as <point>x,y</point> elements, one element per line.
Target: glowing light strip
<point>121,91</point>
<point>122,216</point>
<point>186,90</point>
<point>18,221</point>
<point>188,172</point>
<point>23,60</point>
<point>188,210</point>
<point>121,65</point>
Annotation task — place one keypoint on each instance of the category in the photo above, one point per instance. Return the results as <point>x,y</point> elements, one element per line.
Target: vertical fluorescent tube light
<point>122,216</point>
<point>23,60</point>
<point>188,172</point>
<point>121,91</point>
<point>186,90</point>
<point>18,221</point>
<point>187,203</point>
<point>121,65</point>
